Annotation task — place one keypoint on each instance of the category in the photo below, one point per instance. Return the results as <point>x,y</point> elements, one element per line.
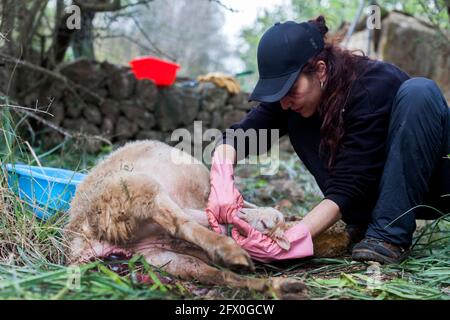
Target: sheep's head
<point>268,221</point>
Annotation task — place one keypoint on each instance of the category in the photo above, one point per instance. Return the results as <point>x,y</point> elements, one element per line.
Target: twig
<point>224,6</point>
<point>24,108</point>
<point>33,154</point>
<point>63,131</point>
<point>146,36</point>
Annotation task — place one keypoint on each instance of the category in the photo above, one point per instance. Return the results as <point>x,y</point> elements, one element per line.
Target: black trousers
<point>416,176</point>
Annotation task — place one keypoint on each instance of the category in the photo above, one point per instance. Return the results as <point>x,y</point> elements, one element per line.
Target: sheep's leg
<point>191,268</point>
<point>220,248</point>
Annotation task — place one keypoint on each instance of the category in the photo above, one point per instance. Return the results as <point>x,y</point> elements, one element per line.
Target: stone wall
<point>107,100</point>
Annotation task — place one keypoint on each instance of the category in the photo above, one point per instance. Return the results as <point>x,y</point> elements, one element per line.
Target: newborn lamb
<point>268,221</point>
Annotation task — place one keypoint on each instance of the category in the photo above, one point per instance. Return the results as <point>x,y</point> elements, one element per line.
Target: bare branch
<point>13,106</point>
<point>147,37</point>
<point>108,6</point>
<point>223,6</point>
<point>105,6</point>
<point>63,131</point>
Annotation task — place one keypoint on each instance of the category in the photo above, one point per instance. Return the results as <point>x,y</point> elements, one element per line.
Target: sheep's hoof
<point>289,289</point>
<point>232,256</point>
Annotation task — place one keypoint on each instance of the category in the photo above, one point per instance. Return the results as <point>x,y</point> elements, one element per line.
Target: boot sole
<point>369,255</point>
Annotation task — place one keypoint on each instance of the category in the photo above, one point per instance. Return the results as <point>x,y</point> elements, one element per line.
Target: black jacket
<point>354,177</point>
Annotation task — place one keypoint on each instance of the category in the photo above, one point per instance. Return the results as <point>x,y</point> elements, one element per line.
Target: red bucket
<point>162,72</point>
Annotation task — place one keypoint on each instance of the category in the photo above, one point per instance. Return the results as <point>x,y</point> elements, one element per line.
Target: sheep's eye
<point>264,224</point>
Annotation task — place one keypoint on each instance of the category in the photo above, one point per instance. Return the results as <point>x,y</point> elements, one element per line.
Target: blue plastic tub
<point>46,190</point>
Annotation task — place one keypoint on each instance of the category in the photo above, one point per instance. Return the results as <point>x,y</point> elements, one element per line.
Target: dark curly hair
<point>343,68</point>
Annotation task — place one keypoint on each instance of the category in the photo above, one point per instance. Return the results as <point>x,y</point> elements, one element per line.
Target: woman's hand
<point>224,199</point>
<point>264,249</point>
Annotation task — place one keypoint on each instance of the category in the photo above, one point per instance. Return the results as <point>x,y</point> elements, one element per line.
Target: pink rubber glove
<point>224,200</point>
<point>264,249</point>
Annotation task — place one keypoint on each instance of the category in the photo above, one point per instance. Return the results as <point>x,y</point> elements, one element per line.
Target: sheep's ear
<point>281,240</point>
<point>283,243</point>
<point>249,205</point>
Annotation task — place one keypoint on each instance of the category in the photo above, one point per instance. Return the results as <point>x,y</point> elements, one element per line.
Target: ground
<point>32,259</point>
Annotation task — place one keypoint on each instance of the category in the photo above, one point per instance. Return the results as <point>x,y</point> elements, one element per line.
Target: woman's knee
<point>422,96</point>
<point>421,90</point>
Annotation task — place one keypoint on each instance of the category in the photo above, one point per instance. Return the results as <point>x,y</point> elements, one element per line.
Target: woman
<point>375,140</point>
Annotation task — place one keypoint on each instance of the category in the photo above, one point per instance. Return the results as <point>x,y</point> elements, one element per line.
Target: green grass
<point>33,261</point>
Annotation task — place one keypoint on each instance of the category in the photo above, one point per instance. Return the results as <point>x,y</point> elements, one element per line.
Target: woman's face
<point>304,96</point>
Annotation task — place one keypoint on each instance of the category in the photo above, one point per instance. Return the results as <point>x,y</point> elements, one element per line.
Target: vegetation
<point>32,259</point>
<point>32,251</point>
<point>337,12</point>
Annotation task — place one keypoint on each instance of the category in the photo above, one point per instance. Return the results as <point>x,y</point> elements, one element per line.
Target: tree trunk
<point>83,40</point>
<point>9,12</point>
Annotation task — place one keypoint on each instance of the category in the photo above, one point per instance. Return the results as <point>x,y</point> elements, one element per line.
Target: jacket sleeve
<point>256,133</point>
<point>356,172</point>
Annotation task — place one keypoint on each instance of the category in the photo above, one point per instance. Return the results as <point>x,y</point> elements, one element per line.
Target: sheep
<point>149,198</point>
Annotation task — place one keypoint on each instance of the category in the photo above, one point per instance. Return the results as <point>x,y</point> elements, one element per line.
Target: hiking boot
<point>371,249</point>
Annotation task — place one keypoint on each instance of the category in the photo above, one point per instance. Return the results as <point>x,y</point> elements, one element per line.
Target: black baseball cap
<point>283,51</point>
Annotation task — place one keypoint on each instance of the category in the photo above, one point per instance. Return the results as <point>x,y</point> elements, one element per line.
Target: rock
<point>137,114</point>
<point>109,107</point>
<point>170,111</point>
<point>44,95</point>
<point>205,117</point>
<point>232,117</point>
<point>216,120</point>
<point>213,98</point>
<point>191,103</point>
<point>93,114</point>
<point>84,72</point>
<point>129,109</point>
<point>57,110</point>
<point>121,83</point>
<point>75,124</point>
<point>91,129</point>
<point>334,242</point>
<point>405,41</point>
<point>74,111</point>
<point>54,91</point>
<point>125,129</point>
<point>228,108</point>
<point>147,94</point>
<point>237,99</point>
<point>107,127</point>
<point>102,92</point>
<point>240,101</point>
<point>30,99</point>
